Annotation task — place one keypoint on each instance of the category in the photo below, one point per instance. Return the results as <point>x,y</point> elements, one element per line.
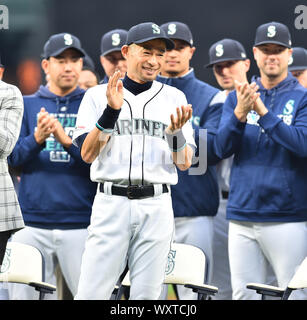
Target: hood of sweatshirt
<point>290,80</point>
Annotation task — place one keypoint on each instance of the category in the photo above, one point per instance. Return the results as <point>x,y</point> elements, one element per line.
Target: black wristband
<point>108,119</point>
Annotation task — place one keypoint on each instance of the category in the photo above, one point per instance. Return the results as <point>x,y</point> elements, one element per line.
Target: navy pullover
<point>268,180</point>
<point>55,190</point>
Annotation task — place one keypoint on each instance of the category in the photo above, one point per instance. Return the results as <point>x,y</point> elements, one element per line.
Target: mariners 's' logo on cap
<point>271,31</point>
<point>115,39</point>
<point>68,39</point>
<point>155,29</point>
<point>243,55</point>
<point>172,28</point>
<point>219,50</point>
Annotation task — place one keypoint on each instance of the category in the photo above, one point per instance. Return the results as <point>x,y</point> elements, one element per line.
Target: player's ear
<point>192,50</point>
<point>45,65</point>
<point>247,63</point>
<point>255,51</point>
<point>124,51</point>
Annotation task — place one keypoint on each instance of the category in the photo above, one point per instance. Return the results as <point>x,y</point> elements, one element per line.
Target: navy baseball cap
<point>1,65</point>
<point>58,43</point>
<point>298,61</point>
<point>178,30</point>
<point>273,32</point>
<point>226,50</point>
<point>148,31</point>
<point>113,41</point>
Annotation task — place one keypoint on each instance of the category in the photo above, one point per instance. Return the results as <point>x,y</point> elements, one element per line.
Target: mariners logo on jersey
<point>115,39</point>
<point>287,113</point>
<point>219,50</point>
<point>55,149</point>
<point>252,118</point>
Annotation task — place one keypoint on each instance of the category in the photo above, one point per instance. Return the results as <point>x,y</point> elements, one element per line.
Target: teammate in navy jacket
<point>267,133</point>
<point>195,197</point>
<point>55,191</point>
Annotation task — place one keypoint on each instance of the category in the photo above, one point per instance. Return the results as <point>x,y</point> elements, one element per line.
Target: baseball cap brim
<point>210,65</point>
<point>274,42</point>
<point>297,68</point>
<point>56,53</point>
<point>110,50</point>
<point>168,42</point>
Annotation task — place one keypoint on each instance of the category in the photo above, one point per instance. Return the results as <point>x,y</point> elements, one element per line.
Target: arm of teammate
<point>182,156</point>
<point>96,140</point>
<point>292,137</point>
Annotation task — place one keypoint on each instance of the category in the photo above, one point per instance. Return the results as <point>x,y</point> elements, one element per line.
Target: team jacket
<point>197,194</point>
<point>55,190</point>
<point>137,152</point>
<point>268,181</point>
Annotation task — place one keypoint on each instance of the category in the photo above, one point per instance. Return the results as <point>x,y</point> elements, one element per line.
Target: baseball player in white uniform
<point>135,133</point>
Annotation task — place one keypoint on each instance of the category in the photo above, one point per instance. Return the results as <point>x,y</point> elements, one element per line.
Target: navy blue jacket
<point>198,195</point>
<point>268,181</point>
<point>55,189</point>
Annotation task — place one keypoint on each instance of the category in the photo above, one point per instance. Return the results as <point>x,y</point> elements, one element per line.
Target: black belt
<point>225,194</point>
<point>134,191</point>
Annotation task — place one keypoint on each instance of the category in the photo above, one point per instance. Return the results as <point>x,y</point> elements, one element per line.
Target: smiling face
<point>272,60</point>
<point>144,60</point>
<point>63,71</point>
<point>177,61</point>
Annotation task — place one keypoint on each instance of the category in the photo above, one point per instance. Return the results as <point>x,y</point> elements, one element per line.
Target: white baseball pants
<point>252,245</point>
<point>121,230</point>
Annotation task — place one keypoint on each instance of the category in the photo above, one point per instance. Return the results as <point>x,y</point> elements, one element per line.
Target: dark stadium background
<point>31,22</point>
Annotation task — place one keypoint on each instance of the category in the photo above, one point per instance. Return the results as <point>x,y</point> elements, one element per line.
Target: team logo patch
<point>172,28</point>
<point>288,108</point>
<point>115,39</point>
<point>253,117</point>
<point>170,261</point>
<point>68,39</point>
<point>243,55</point>
<point>271,31</point>
<point>155,29</point>
<point>219,50</point>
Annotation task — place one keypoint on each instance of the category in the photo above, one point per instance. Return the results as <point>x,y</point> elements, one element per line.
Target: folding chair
<point>23,263</point>
<point>298,281</point>
<point>186,266</point>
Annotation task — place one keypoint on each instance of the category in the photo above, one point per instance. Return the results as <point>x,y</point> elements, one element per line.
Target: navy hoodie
<point>198,195</point>
<point>268,180</point>
<point>55,189</point>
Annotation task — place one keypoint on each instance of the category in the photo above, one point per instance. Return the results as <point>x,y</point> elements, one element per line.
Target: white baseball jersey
<point>137,150</point>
